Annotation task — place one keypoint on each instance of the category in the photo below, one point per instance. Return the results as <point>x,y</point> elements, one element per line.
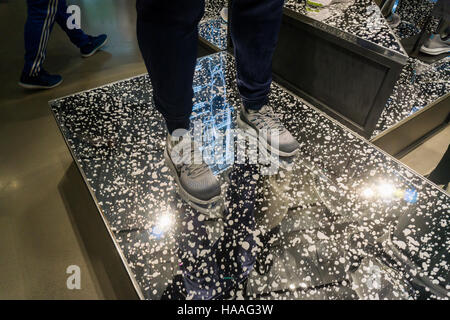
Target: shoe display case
<point>420,103</point>
<point>344,59</point>
<point>340,220</point>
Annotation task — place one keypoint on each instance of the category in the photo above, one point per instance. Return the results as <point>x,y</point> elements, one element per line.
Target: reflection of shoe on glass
<point>224,14</point>
<point>267,126</point>
<point>95,44</point>
<point>43,80</point>
<point>393,20</point>
<point>195,179</point>
<point>435,45</point>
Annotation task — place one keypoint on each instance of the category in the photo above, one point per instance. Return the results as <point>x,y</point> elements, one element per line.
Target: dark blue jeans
<point>42,15</point>
<point>167,35</point>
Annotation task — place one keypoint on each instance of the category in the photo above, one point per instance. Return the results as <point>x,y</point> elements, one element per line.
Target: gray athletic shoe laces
<point>188,164</point>
<point>266,119</point>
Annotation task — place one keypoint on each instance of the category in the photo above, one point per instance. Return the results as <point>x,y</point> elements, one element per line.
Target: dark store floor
<point>39,238</point>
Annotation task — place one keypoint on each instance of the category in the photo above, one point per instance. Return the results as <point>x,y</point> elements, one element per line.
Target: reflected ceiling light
<point>163,224</point>
<point>386,189</point>
<point>165,221</point>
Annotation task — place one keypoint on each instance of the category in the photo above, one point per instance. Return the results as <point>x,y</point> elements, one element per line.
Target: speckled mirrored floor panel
<point>414,15</point>
<point>213,27</point>
<point>419,85</point>
<point>340,220</point>
<point>361,18</point>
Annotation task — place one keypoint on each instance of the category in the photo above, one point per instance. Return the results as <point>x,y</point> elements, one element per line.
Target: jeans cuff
<point>179,124</point>
<point>254,104</point>
<point>173,122</point>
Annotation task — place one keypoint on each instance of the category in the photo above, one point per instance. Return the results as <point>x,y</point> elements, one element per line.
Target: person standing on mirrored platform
<point>167,34</point>
<point>42,15</point>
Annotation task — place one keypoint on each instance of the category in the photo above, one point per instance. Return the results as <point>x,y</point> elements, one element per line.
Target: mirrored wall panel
<point>214,24</point>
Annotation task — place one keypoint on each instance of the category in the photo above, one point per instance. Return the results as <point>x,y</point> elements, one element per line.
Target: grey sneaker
<point>267,126</point>
<point>435,45</point>
<point>224,14</point>
<point>195,179</point>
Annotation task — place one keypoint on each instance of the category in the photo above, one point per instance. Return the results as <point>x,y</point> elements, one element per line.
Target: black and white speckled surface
<point>292,235</point>
<point>419,85</point>
<point>212,27</point>
<point>414,15</point>
<point>361,18</point>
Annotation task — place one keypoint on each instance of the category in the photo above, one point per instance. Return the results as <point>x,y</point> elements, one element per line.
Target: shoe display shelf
<point>340,220</point>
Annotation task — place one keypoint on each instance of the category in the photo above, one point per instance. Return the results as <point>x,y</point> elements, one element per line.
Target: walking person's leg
<point>88,44</point>
<point>167,34</point>
<point>255,26</point>
<point>38,27</point>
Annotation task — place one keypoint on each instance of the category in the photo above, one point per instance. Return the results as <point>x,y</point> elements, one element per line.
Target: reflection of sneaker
<point>224,14</point>
<point>265,124</point>
<point>195,179</point>
<point>393,20</point>
<point>95,44</point>
<point>435,45</point>
<point>43,80</point>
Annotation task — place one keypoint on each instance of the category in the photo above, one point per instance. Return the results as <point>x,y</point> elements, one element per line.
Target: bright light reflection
<point>163,224</point>
<point>385,189</point>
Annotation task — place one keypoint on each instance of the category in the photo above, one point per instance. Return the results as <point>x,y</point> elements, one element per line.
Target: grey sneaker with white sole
<point>265,125</point>
<point>435,45</point>
<point>195,179</point>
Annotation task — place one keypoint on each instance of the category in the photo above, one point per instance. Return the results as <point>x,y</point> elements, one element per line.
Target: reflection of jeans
<point>41,16</point>
<point>442,10</point>
<point>444,28</point>
<point>167,35</point>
